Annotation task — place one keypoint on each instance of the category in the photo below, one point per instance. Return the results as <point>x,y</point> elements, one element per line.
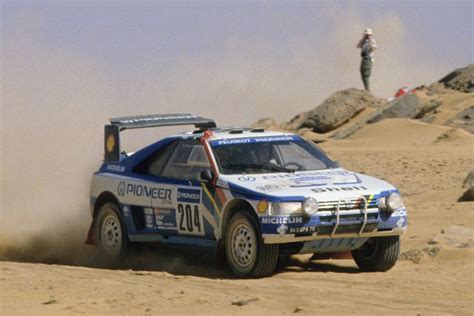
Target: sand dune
<point>433,276</point>
<point>405,132</point>
<point>53,272</point>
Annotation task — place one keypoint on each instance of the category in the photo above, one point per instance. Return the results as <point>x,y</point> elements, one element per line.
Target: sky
<point>254,55</point>
<point>66,67</point>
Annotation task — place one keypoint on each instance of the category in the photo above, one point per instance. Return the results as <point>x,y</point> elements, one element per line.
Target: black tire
<point>111,235</point>
<point>377,254</point>
<point>246,253</point>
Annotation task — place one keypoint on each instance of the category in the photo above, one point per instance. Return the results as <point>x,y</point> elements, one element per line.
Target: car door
<point>189,215</point>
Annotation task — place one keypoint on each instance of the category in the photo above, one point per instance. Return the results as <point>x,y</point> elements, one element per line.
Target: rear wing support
<point>112,130</point>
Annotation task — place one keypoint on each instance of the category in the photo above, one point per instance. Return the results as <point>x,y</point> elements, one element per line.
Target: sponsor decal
<point>165,219</point>
<point>400,212</point>
<point>400,222</point>
<point>121,188</point>
<point>282,220</point>
<point>303,229</point>
<point>116,168</point>
<point>110,144</point>
<point>126,211</point>
<point>252,140</point>
<point>143,190</point>
<point>316,175</point>
<point>282,229</point>
<point>189,195</point>
<point>149,221</point>
<point>348,188</point>
<point>270,187</point>
<point>148,211</point>
<point>246,179</point>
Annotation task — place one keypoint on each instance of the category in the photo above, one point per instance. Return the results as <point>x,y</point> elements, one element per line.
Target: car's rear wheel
<point>377,254</point>
<point>246,253</point>
<point>111,235</point>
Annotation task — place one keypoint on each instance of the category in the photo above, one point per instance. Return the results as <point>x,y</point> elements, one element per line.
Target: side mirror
<point>206,175</point>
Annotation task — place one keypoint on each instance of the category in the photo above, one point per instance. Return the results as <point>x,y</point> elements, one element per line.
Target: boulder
<point>461,79</point>
<point>455,236</point>
<point>464,119</point>
<point>469,185</point>
<point>267,123</point>
<point>335,111</point>
<point>408,106</point>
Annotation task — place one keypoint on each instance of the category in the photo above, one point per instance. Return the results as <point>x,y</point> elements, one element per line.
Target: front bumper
<point>336,223</point>
<point>279,239</point>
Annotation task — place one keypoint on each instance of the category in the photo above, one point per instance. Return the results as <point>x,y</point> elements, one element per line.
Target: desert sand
<point>434,274</point>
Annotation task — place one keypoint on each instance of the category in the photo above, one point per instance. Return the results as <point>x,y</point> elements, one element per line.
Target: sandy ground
<point>433,276</point>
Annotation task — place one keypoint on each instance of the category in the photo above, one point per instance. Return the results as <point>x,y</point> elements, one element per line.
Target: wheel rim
<point>244,246</point>
<point>367,250</point>
<point>111,235</point>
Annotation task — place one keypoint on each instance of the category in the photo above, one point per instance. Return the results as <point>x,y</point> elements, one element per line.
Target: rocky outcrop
<point>335,111</point>
<point>408,106</point>
<point>464,119</point>
<point>461,79</point>
<point>345,112</point>
<point>469,185</point>
<point>267,123</point>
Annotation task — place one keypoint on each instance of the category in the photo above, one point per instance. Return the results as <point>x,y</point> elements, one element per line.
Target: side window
<point>187,161</point>
<point>155,163</point>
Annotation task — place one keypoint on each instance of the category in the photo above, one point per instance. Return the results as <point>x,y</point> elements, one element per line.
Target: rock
<point>469,185</point>
<point>244,302</point>
<point>408,106</point>
<point>461,79</point>
<point>296,122</point>
<point>464,119</point>
<point>336,110</point>
<point>456,236</point>
<point>342,134</point>
<point>419,255</point>
<point>297,309</point>
<point>267,123</point>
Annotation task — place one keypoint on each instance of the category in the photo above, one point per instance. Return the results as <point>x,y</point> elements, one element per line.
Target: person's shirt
<point>367,47</point>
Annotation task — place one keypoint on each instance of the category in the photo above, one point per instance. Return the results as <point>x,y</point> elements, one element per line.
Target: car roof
<point>232,133</point>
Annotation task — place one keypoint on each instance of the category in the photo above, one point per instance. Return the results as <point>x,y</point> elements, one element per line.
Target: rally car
<point>252,194</point>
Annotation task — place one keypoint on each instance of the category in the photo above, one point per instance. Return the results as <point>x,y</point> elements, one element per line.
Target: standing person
<point>367,47</point>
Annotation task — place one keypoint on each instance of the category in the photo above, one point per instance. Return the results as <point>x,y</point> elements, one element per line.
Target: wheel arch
<point>233,207</point>
<point>103,198</point>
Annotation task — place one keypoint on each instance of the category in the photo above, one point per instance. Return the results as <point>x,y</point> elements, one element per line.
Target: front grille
<point>348,218</point>
<point>349,204</point>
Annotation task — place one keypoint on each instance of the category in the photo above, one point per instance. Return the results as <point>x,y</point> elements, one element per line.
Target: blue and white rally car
<point>251,193</point>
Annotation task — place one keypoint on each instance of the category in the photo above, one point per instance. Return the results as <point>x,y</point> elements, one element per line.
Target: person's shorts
<point>365,67</point>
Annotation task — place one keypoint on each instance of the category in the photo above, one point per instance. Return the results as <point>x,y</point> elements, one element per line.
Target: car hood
<point>321,184</point>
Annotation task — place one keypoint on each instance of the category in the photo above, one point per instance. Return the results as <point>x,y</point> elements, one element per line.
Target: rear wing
<point>112,130</point>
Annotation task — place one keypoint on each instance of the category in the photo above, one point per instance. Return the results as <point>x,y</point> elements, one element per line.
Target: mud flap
<point>90,240</point>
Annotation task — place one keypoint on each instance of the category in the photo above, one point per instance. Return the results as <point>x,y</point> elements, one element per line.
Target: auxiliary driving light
<point>310,206</point>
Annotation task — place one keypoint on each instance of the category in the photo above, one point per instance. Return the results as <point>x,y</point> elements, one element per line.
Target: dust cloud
<point>55,102</point>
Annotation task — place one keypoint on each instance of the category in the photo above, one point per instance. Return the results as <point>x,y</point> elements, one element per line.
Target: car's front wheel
<point>378,253</point>
<point>111,236</point>
<point>246,253</point>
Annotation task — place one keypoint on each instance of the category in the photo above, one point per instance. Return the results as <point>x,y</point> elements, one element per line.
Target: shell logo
<point>110,144</point>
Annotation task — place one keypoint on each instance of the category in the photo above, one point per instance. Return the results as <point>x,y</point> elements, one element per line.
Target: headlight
<point>310,206</point>
<point>391,203</point>
<point>286,208</point>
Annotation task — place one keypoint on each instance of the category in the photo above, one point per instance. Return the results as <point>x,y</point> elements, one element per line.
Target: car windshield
<point>268,155</point>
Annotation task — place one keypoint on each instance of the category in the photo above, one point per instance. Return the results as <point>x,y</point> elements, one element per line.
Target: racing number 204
<point>189,219</point>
